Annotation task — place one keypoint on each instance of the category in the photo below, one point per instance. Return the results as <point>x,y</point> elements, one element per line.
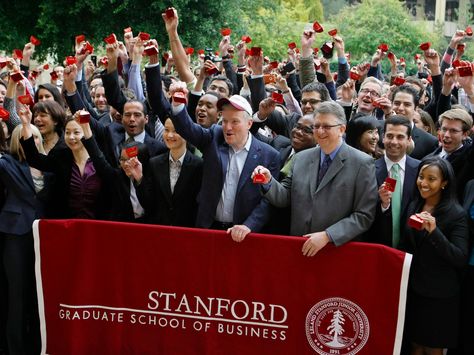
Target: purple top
<point>84,191</point>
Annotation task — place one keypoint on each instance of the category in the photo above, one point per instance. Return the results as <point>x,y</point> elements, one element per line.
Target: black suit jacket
<point>154,193</point>
<point>425,143</point>
<point>381,231</point>
<point>462,161</point>
<point>438,257</point>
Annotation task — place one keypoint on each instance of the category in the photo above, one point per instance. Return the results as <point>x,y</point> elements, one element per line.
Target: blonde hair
<point>15,147</point>
<point>460,115</point>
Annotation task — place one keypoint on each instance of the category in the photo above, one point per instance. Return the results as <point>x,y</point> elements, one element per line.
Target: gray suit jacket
<point>343,204</point>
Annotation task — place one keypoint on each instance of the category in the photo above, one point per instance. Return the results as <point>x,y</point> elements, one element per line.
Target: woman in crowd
<point>440,249</point>
<point>362,133</point>
<point>49,92</point>
<point>23,203</point>
<point>77,190</point>
<point>423,120</point>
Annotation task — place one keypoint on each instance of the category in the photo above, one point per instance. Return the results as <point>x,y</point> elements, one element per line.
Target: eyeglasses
<point>304,129</point>
<point>312,102</point>
<point>372,93</point>
<point>450,130</point>
<point>325,127</point>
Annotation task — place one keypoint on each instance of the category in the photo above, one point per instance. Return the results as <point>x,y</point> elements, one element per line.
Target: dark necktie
<point>324,168</point>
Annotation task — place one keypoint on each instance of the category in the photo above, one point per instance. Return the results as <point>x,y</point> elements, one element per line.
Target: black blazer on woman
<point>438,257</point>
<point>154,193</point>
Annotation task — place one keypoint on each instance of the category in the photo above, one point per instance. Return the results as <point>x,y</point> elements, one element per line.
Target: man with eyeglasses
<point>456,146</point>
<point>312,96</point>
<point>340,180</point>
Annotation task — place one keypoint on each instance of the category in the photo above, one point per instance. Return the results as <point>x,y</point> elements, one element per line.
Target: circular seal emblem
<point>337,326</point>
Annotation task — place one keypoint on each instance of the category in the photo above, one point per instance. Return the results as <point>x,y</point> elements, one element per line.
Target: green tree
<point>366,25</point>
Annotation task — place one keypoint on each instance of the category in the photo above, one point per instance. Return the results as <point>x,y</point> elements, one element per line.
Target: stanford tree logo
<point>337,326</point>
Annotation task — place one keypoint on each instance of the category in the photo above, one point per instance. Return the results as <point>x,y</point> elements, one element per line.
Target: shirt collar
<point>246,146</point>
<point>333,154</point>
<point>180,159</point>
<point>401,163</point>
<point>140,138</point>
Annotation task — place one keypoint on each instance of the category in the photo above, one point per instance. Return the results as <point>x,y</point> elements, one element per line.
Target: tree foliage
<point>366,25</point>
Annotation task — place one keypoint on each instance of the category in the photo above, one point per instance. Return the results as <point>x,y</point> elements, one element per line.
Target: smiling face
<point>172,139</point>
<point>368,141</point>
<point>302,134</point>
<point>309,101</point>
<point>404,105</point>
<point>220,87</point>
<point>72,135</point>
<point>235,127</point>
<point>45,95</point>
<point>430,183</point>
<point>44,122</point>
<point>328,131</point>
<point>133,118</point>
<point>396,141</point>
<point>206,111</point>
<point>100,100</point>
<point>367,93</point>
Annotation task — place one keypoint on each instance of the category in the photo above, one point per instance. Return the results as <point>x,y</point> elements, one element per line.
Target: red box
<point>383,47</point>
<point>26,99</point>
<point>104,61</point>
<point>16,76</point>
<point>46,66</point>
<point>35,41</point>
<point>80,39</point>
<point>317,27</point>
<point>144,36</point>
<point>390,55</point>
<point>465,71</point>
<point>390,184</point>
<point>398,81</point>
<point>87,47</point>
<point>292,45</point>
<point>456,63</point>
<point>226,31</point>
<point>131,152</point>
<point>259,179</point>
<point>273,65</point>
<point>189,50</point>
<point>255,51</point>
<point>84,117</point>
<point>460,46</point>
<point>169,12</point>
<point>246,39</point>
<point>4,114</point>
<point>417,56</point>
<point>70,60</point>
<point>18,53</point>
<point>425,46</point>
<point>468,31</point>
<point>333,32</point>
<point>54,75</point>
<point>402,60</point>
<point>415,222</point>
<point>354,76</point>
<point>150,50</point>
<point>180,97</point>
<point>212,71</point>
<point>277,97</point>
<point>110,39</point>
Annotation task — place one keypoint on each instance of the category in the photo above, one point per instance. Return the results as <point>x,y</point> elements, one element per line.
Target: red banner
<point>118,288</point>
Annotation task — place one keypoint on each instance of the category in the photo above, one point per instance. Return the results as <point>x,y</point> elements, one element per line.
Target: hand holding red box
<point>317,27</point>
<point>259,179</point>
<point>84,117</point>
<point>415,222</point>
<point>4,114</point>
<point>180,97</point>
<point>390,184</point>
<point>131,152</point>
<point>35,41</point>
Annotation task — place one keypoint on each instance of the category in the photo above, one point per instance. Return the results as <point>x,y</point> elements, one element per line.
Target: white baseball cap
<point>238,102</point>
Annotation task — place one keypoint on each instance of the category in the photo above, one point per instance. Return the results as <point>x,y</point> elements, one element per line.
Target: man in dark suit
<point>456,147</point>
<point>391,209</point>
<point>405,101</point>
<point>331,188</point>
<point>228,198</point>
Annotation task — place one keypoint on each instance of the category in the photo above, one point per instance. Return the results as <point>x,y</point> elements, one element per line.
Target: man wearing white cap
<point>228,199</point>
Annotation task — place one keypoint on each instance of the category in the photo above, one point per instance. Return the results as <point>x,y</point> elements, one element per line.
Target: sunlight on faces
<point>367,93</point>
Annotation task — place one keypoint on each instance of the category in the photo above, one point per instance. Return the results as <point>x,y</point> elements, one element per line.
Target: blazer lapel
<point>25,170</point>
<point>164,178</point>
<point>314,170</point>
<point>381,171</point>
<point>224,156</point>
<point>408,183</point>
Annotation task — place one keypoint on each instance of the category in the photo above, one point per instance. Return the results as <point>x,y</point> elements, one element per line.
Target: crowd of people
<point>238,142</point>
